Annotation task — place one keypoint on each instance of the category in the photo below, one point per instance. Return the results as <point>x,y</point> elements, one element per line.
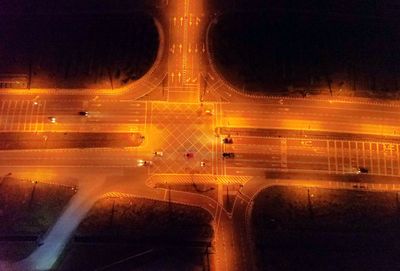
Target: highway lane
<point>128,113</point>
<point>345,118</point>
<point>30,115</point>
<point>104,115</point>
<point>186,49</point>
<point>122,157</point>
<point>308,155</point>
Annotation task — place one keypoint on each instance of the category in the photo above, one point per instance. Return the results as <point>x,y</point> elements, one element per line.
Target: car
<point>158,153</point>
<point>228,155</point>
<point>202,164</point>
<point>227,140</point>
<point>52,119</point>
<point>362,170</point>
<point>83,113</point>
<point>143,163</point>
<point>189,155</point>
<point>209,112</point>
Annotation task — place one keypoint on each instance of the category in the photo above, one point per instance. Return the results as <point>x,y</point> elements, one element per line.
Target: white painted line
<point>6,116</point>
<point>391,161</point>
<point>20,114</point>
<point>31,115</point>
<point>329,156</point>
<point>26,113</point>
<point>13,115</point>
<point>43,117</point>
<point>398,159</point>
<point>336,158</point>
<point>377,155</point>
<point>358,164</point>
<point>1,112</point>
<point>370,156</point>
<point>363,150</point>
<point>349,145</point>
<point>384,158</point>
<point>341,143</point>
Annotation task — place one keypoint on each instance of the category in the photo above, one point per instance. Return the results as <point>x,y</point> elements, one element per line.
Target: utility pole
<point>169,200</point>
<point>2,178</point>
<point>310,204</point>
<point>227,197</point>
<point>112,214</point>
<point>33,193</point>
<point>207,252</point>
<point>110,76</point>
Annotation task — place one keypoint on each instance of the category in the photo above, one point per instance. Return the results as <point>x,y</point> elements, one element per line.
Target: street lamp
<point>2,178</point>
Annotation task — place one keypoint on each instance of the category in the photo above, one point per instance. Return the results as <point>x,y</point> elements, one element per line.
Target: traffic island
<point>208,190</point>
<point>60,140</point>
<point>28,208</point>
<point>146,234</point>
<point>298,228</point>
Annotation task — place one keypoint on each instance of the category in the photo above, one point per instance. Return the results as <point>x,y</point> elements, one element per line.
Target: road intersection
<point>183,106</point>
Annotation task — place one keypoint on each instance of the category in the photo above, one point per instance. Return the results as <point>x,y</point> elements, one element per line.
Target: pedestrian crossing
<point>334,156</point>
<point>189,179</point>
<point>22,115</point>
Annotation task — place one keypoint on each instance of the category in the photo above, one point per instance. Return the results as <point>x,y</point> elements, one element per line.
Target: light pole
<point>2,178</point>
<point>33,193</point>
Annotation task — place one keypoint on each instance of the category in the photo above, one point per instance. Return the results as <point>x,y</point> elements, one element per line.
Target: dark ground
<point>75,48</point>
<point>336,230</point>
<point>27,211</point>
<point>116,229</point>
<point>273,47</point>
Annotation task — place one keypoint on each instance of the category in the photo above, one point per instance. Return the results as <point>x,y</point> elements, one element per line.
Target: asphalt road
<point>184,102</point>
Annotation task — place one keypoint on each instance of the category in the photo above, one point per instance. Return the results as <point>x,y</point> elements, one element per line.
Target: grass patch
<point>321,229</point>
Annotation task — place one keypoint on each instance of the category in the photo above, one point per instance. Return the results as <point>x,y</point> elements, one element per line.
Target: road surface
<point>179,107</point>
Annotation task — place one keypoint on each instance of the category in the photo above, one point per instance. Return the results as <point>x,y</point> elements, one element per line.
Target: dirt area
<point>13,251</point>
<point>116,257</point>
<point>320,229</point>
<point>166,237</point>
<point>30,207</point>
<point>27,210</point>
<point>299,52</point>
<point>74,48</point>
<point>15,141</point>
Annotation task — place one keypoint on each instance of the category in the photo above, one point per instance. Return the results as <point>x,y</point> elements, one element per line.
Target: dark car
<point>228,140</point>
<point>228,155</point>
<point>83,113</point>
<point>362,170</point>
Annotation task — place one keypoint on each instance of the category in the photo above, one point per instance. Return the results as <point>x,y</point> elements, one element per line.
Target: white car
<point>143,163</point>
<point>209,112</point>
<point>158,153</point>
<point>202,164</point>
<point>52,119</point>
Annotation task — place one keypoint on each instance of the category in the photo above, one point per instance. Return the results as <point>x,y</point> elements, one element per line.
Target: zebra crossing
<point>195,178</point>
<point>22,115</point>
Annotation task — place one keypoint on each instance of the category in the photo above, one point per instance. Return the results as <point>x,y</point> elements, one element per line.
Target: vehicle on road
<point>228,155</point>
<point>209,112</point>
<point>362,170</point>
<point>52,119</point>
<point>189,155</point>
<point>143,163</point>
<point>227,140</point>
<point>158,153</point>
<point>83,113</point>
